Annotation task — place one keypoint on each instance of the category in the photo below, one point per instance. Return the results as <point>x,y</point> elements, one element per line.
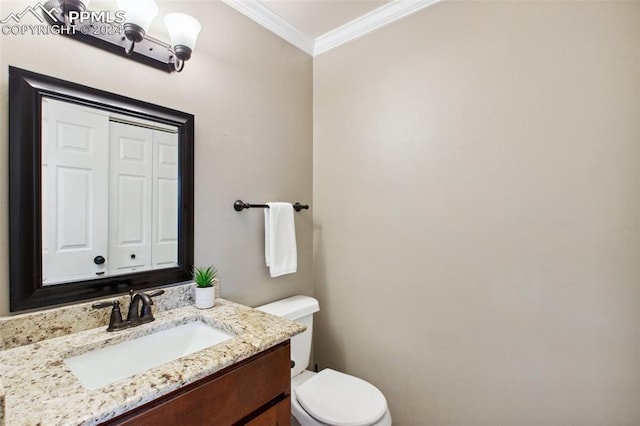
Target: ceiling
<point>317,17</point>
<point>316,26</point>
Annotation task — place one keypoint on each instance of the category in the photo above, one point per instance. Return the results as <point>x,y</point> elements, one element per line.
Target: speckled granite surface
<point>22,329</point>
<point>41,390</point>
<point>1,405</point>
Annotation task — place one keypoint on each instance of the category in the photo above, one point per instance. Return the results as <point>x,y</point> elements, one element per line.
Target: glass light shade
<point>139,12</point>
<point>183,29</point>
<point>86,3</point>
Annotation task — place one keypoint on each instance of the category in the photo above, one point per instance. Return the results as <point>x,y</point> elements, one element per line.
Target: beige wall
<point>251,94</point>
<point>477,214</point>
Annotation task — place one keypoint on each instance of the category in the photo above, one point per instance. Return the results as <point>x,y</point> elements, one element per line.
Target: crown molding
<point>377,18</point>
<point>274,23</point>
<point>359,27</point>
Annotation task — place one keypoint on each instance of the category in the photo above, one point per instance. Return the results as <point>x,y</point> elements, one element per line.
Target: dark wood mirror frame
<point>26,90</point>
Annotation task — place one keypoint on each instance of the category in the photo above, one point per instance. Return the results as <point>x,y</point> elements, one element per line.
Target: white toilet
<point>327,398</point>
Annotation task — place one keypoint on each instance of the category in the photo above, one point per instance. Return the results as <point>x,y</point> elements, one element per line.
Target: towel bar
<point>240,205</point>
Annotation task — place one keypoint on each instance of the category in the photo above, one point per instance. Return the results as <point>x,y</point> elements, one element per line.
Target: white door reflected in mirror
<point>109,193</point>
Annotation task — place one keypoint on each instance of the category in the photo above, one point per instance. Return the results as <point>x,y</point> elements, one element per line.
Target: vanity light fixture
<point>125,32</point>
<point>138,15</point>
<point>183,32</point>
<point>70,6</point>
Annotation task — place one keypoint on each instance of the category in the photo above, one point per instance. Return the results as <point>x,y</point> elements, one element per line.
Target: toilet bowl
<point>344,411</point>
<point>327,398</point>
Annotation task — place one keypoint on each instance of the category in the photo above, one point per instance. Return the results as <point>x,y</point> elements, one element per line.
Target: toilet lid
<point>340,399</point>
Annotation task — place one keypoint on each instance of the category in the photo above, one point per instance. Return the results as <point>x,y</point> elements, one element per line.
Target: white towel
<point>280,239</point>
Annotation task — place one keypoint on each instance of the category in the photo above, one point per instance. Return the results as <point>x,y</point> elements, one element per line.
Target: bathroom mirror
<point>101,192</point>
<point>109,193</point>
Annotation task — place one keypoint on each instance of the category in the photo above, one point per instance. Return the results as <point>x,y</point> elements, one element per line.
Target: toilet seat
<point>339,399</point>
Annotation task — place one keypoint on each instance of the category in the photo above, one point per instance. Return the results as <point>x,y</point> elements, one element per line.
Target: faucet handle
<point>100,305</point>
<point>115,320</point>
<point>156,293</point>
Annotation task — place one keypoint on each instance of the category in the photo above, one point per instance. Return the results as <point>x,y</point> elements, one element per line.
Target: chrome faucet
<point>136,316</point>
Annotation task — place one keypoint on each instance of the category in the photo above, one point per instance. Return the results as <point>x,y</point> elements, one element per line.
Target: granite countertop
<point>40,389</point>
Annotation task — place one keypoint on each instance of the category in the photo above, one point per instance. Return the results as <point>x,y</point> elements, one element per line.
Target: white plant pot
<point>205,297</point>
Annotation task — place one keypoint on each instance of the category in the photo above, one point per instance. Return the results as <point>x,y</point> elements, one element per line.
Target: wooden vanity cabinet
<point>253,392</point>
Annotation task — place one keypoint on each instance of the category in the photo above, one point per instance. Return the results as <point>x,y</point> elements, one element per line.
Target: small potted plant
<point>205,278</point>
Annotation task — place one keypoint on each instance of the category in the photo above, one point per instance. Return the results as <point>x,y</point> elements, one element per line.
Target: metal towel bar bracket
<point>240,205</point>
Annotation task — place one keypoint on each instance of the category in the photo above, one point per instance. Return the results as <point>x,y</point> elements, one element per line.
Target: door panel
<point>131,211</point>
<point>165,196</point>
<point>75,191</point>
<point>130,198</point>
<point>47,223</point>
<point>74,209</point>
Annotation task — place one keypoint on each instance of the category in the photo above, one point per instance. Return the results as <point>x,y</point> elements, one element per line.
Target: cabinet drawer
<point>241,391</point>
<point>277,415</point>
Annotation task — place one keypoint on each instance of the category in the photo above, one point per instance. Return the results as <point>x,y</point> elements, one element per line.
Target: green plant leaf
<point>205,276</point>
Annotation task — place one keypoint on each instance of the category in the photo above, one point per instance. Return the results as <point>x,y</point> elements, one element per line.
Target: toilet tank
<point>299,309</point>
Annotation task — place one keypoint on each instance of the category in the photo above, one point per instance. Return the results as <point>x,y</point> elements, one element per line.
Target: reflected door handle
<point>98,260</point>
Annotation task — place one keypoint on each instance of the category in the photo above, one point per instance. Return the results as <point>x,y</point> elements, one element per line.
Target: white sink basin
<point>101,367</point>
